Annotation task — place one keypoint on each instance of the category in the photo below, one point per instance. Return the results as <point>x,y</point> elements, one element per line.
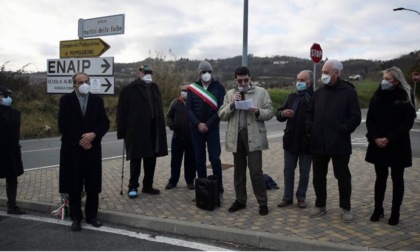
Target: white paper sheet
<point>245,105</point>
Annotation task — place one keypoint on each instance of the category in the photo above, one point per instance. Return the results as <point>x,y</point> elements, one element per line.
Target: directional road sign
<point>316,53</point>
<point>64,84</point>
<point>103,66</point>
<point>416,77</point>
<point>101,26</point>
<point>100,70</point>
<point>83,48</point>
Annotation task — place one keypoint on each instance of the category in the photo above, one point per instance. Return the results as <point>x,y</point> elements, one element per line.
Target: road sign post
<point>416,78</point>
<point>316,56</point>
<point>100,70</point>
<point>82,48</point>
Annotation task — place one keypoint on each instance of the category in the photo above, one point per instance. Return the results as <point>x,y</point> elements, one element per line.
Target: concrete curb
<point>249,238</point>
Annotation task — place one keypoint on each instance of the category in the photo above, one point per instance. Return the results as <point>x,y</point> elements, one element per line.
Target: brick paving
<point>42,186</point>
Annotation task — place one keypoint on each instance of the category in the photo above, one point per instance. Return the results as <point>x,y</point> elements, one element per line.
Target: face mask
<point>206,77</point>
<point>325,78</point>
<point>300,85</point>
<point>84,88</point>
<point>386,85</point>
<point>7,101</point>
<point>147,78</point>
<point>184,94</point>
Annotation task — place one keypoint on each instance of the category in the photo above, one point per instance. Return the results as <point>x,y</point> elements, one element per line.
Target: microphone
<point>241,90</point>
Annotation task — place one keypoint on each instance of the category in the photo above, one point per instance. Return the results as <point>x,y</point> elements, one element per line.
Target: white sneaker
<point>317,211</point>
<point>346,216</point>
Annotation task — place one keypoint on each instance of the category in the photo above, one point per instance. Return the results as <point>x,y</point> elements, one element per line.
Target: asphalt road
<point>45,152</point>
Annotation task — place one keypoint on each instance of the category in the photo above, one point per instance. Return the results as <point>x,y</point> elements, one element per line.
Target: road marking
<point>137,235</point>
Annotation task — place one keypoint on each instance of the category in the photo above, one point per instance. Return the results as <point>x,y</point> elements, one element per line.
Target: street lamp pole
<point>245,36</point>
<point>401,8</point>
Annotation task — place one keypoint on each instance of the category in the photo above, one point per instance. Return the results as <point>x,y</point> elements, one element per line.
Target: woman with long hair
<point>389,120</point>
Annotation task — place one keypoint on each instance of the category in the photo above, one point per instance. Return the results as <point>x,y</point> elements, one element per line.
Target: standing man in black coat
<point>11,166</point>
<point>334,113</point>
<point>141,123</point>
<point>83,122</point>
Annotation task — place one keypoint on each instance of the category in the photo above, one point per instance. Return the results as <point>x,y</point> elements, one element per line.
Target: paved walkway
<point>287,228</point>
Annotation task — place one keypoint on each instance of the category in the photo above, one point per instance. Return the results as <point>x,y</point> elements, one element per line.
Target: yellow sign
<point>83,48</point>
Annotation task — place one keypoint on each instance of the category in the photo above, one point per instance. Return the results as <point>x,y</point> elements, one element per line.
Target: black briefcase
<point>207,193</point>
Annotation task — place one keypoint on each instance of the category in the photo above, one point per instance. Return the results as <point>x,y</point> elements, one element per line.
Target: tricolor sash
<point>204,94</point>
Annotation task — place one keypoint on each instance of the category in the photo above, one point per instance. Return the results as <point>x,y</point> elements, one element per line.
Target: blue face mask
<point>7,101</point>
<point>300,85</point>
<point>386,85</point>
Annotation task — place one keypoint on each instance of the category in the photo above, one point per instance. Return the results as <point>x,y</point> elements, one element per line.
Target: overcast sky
<point>350,29</point>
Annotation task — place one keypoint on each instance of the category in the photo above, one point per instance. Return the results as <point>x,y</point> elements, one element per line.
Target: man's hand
<point>287,113</point>
<point>86,141</point>
<point>382,142</point>
<point>202,127</point>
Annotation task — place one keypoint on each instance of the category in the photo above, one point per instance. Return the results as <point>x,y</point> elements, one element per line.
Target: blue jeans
<point>212,138</point>
<point>290,163</point>
<point>182,148</point>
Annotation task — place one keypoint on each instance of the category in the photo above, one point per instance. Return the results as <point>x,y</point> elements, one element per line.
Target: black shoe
<point>169,186</point>
<point>191,186</point>
<point>263,210</point>
<point>152,191</point>
<point>76,226</point>
<point>394,219</point>
<point>94,222</point>
<point>236,206</point>
<point>377,214</point>
<point>15,210</point>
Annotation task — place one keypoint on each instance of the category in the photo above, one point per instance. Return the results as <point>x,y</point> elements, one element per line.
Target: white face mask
<point>84,88</point>
<point>325,78</point>
<point>300,85</point>
<point>6,101</point>
<point>147,78</point>
<point>184,94</point>
<point>206,77</point>
<point>386,85</point>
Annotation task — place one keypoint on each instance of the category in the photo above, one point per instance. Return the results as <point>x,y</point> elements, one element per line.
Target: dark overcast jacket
<point>334,113</point>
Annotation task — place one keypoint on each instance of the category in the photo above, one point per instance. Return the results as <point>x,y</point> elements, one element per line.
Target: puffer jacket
<point>257,133</point>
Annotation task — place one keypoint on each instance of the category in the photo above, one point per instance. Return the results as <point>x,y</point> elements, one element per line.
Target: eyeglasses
<point>246,80</point>
<point>203,72</point>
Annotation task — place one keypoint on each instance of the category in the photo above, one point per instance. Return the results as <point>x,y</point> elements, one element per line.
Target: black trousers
<point>341,173</point>
<point>91,206</point>
<point>11,191</point>
<point>149,172</point>
<point>397,176</point>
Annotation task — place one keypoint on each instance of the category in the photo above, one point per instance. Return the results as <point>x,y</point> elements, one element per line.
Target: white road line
<point>142,236</point>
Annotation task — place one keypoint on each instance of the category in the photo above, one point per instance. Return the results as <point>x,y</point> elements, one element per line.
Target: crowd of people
<point>318,130</point>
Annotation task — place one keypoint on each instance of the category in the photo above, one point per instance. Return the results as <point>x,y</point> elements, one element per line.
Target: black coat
<point>390,115</point>
<point>295,138</point>
<point>76,163</point>
<point>10,155</point>
<point>141,121</point>
<point>334,113</point>
<point>178,120</point>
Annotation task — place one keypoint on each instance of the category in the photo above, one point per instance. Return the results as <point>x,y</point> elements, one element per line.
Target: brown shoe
<point>301,204</point>
<point>284,203</point>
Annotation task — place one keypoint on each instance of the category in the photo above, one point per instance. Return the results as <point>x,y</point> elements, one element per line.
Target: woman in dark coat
<point>389,120</point>
<point>81,152</point>
<point>11,160</point>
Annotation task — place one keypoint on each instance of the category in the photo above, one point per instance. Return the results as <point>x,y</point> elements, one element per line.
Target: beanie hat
<point>204,66</point>
<point>4,91</point>
<point>145,68</point>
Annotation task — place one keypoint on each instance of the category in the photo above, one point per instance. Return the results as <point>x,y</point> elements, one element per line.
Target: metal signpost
<point>83,48</point>
<point>100,70</point>
<point>416,78</point>
<point>316,56</point>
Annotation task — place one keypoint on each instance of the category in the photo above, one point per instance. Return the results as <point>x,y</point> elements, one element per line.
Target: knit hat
<point>4,91</point>
<point>146,69</point>
<point>204,66</point>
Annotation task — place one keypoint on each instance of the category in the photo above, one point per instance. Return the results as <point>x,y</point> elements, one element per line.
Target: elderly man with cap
<point>10,155</point>
<point>205,97</point>
<point>141,123</point>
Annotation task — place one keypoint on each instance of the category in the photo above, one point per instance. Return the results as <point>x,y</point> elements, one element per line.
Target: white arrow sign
<point>92,66</point>
<point>64,84</point>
